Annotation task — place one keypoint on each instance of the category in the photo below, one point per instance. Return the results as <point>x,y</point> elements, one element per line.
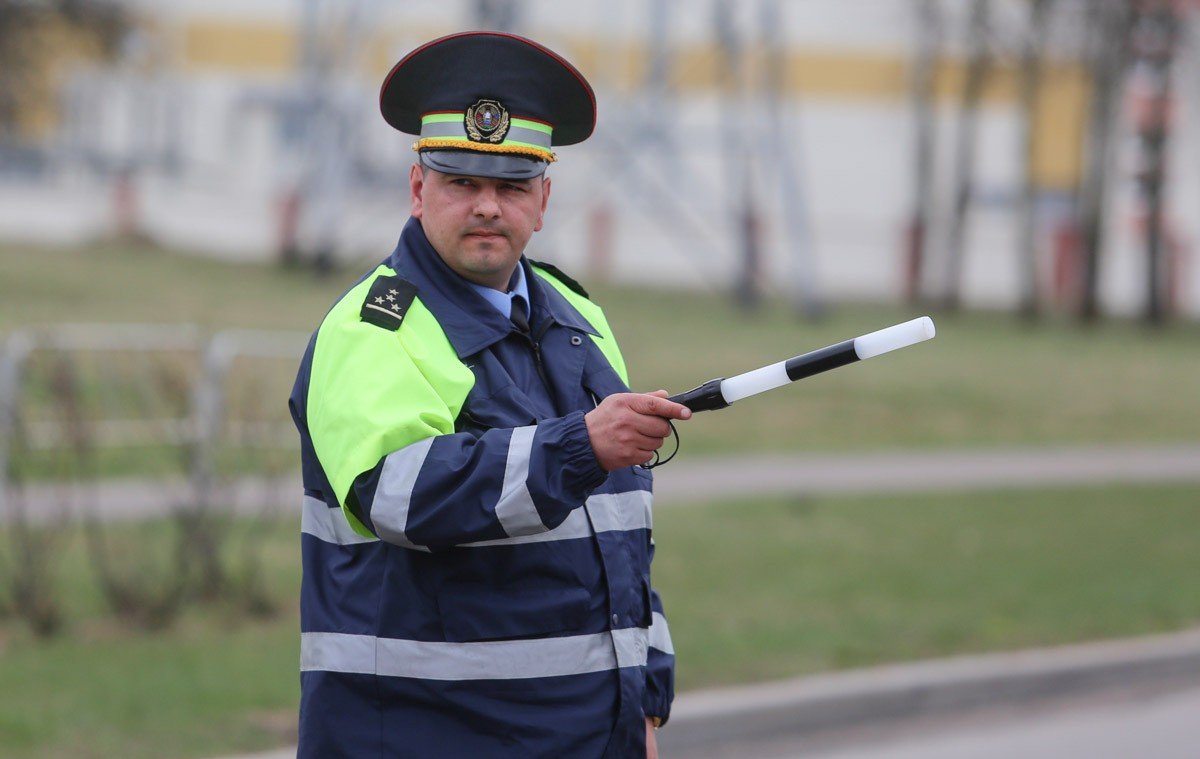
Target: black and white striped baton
<point>719,393</point>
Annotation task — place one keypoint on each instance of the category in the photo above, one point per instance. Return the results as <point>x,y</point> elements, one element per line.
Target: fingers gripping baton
<point>719,393</point>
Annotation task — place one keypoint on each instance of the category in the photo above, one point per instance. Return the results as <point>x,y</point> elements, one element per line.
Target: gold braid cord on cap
<point>439,143</point>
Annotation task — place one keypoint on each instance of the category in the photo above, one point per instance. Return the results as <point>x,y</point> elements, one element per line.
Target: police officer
<point>476,530</point>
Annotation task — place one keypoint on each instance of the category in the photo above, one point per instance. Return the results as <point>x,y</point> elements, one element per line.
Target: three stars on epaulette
<point>384,300</point>
<point>387,302</point>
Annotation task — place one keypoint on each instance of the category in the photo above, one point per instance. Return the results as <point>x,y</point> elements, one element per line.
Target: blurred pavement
<point>1162,725</point>
<point>1129,725</point>
<point>915,471</point>
<point>715,477</point>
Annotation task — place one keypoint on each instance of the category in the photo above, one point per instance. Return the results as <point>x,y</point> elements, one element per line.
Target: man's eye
<point>462,182</point>
<point>516,187</point>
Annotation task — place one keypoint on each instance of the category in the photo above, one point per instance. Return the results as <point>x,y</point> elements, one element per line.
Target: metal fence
<point>104,424</point>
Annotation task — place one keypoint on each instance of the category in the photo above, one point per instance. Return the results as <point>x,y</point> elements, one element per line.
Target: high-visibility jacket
<point>474,584</point>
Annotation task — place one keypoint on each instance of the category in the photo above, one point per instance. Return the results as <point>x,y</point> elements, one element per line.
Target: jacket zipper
<point>536,347</point>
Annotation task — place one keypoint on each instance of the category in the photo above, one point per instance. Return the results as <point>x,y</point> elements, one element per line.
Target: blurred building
<point>243,129</point>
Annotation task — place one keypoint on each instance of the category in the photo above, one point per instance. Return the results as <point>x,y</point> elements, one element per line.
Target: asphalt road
<point>1164,724</point>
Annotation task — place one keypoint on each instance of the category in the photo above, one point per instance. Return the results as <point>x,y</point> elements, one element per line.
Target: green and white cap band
<point>497,133</point>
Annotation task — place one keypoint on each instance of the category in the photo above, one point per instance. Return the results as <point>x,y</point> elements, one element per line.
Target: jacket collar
<point>469,321</point>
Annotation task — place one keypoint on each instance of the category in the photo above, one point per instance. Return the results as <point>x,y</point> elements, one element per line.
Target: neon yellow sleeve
<point>373,391</point>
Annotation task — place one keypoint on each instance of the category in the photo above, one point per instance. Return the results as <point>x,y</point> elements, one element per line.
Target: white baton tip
<point>890,338</point>
<point>758,381</point>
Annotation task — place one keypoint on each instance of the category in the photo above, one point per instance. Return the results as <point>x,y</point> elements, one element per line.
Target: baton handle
<point>706,397</point>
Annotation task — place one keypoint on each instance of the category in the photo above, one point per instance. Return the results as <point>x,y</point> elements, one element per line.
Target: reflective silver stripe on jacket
<point>486,660</point>
<point>611,512</point>
<point>660,635</point>
<point>329,525</point>
<point>393,494</point>
<point>608,512</point>
<point>515,509</point>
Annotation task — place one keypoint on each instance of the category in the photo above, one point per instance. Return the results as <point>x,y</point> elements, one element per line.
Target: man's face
<point>479,226</point>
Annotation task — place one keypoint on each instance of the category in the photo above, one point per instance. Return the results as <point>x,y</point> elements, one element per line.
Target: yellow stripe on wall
<point>697,69</point>
<point>240,45</point>
<point>1062,119</point>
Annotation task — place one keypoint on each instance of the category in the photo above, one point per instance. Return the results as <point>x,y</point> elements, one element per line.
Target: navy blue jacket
<point>474,584</point>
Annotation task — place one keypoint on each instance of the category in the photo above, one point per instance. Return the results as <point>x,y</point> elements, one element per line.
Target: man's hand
<point>651,740</point>
<point>627,428</point>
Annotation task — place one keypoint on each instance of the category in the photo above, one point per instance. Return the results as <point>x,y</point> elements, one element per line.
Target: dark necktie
<point>518,314</point>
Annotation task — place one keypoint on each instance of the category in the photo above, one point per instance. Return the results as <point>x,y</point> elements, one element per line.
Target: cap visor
<point>475,164</point>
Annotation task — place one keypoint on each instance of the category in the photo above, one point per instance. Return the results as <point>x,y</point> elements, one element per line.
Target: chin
<point>491,259</point>
<point>488,266</point>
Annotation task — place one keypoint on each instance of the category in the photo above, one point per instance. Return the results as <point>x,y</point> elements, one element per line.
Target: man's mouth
<point>486,234</point>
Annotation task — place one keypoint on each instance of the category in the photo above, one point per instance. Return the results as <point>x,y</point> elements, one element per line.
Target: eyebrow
<point>527,182</point>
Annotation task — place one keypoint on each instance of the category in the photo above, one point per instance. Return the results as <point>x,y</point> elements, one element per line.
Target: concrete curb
<point>839,700</point>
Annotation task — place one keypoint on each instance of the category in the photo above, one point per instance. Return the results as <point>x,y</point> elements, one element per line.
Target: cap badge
<point>486,121</point>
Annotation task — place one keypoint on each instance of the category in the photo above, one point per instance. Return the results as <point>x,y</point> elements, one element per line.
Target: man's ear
<point>416,183</point>
<point>545,201</point>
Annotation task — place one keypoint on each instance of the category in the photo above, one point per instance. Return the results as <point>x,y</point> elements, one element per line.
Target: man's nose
<point>487,203</point>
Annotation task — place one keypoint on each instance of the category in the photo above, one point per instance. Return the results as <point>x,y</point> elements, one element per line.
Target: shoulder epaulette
<point>558,274</point>
<point>388,301</point>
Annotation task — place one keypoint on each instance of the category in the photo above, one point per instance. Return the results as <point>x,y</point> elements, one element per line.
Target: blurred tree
<point>1032,50</point>
<point>978,67</point>
<point>498,15</point>
<point>334,37</point>
<point>36,38</point>
<point>1155,33</point>
<point>782,138</point>
<point>924,79</point>
<point>1109,21</point>
<point>738,156</point>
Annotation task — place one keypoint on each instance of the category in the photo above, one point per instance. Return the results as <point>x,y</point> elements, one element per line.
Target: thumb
<point>659,394</point>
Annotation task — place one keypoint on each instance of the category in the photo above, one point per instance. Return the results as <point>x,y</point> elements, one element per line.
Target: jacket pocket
<point>484,612</point>
<point>647,609</point>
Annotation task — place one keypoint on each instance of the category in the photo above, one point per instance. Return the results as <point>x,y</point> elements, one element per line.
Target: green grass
<point>764,590</point>
<point>217,681</point>
<point>206,689</point>
<point>131,284</point>
<point>754,591</point>
<point>986,379</point>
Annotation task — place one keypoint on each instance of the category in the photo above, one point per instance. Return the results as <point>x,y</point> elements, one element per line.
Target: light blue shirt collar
<point>503,301</point>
